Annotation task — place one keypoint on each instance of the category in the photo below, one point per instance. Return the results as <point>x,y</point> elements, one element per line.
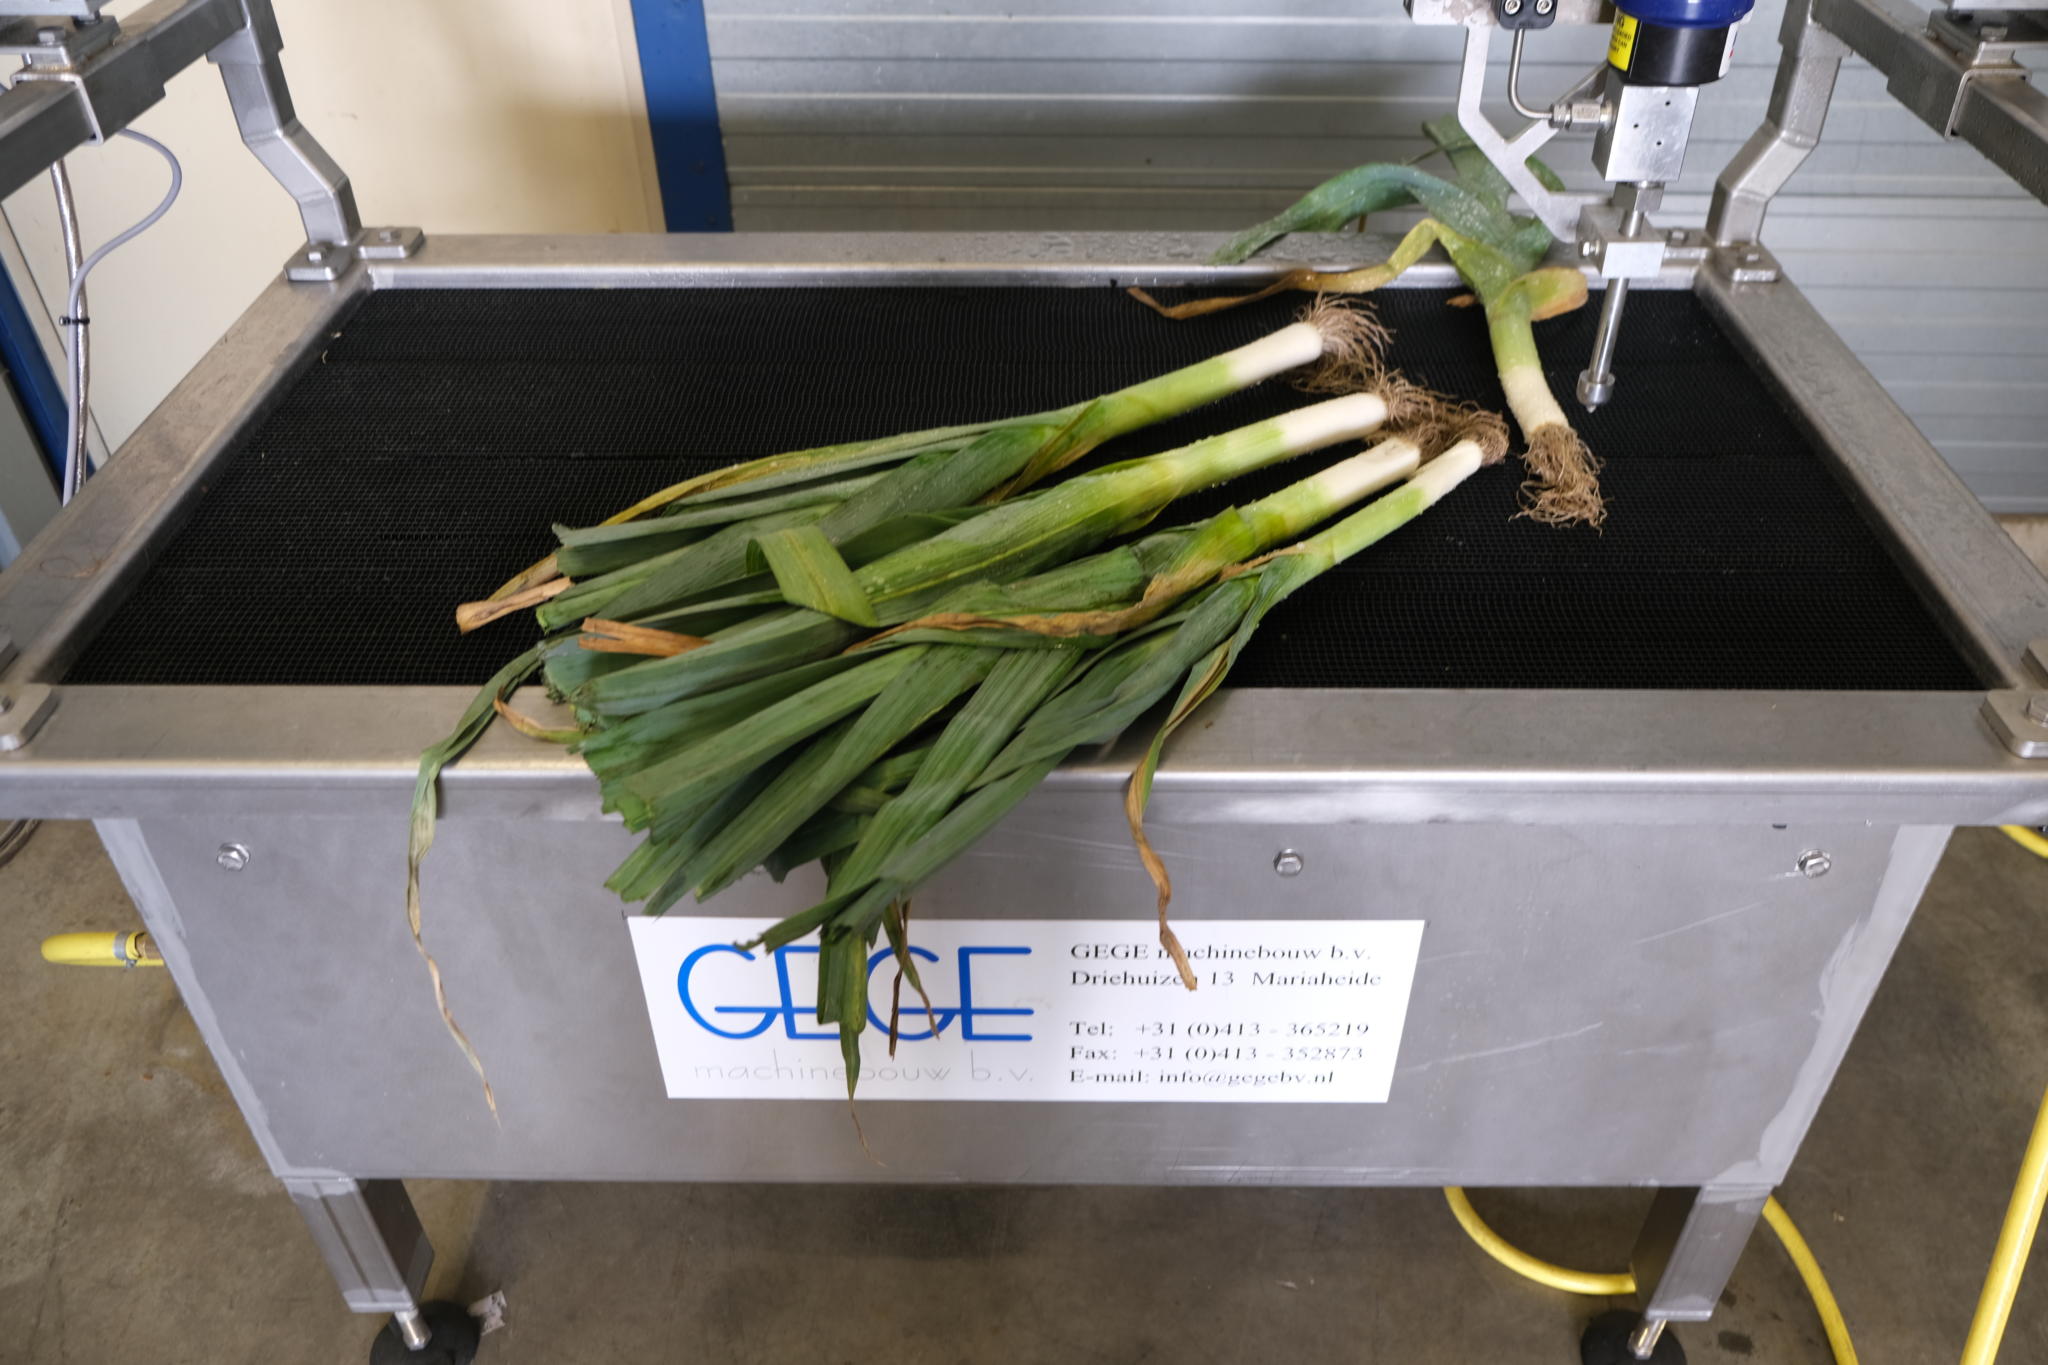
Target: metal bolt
<point>1642,1342</point>
<point>1545,6</point>
<point>233,857</point>
<point>1815,863</point>
<point>1589,248</point>
<point>1511,6</point>
<point>315,255</point>
<point>50,37</point>
<point>1991,33</point>
<point>387,235</point>
<point>1288,863</point>
<point>412,1329</point>
<point>1751,257</point>
<point>2037,708</point>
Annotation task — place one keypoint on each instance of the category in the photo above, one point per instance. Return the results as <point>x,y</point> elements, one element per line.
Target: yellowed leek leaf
<point>811,573</point>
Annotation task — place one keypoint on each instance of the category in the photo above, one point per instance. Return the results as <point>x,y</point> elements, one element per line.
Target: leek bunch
<point>1498,254</point>
<point>1027,709</point>
<point>866,654</point>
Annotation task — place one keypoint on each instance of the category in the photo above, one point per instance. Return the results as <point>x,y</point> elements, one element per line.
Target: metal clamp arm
<point>249,66</point>
<point>2006,119</point>
<point>57,106</point>
<point>1792,125</point>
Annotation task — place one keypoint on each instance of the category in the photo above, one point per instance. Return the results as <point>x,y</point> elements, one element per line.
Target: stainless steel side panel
<point>1533,756</point>
<point>69,577</point>
<point>1593,1005</point>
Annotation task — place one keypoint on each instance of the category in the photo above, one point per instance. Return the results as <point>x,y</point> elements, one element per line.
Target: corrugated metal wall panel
<point>1208,114</point>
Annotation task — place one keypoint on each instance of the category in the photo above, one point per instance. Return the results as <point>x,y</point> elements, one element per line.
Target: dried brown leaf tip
<point>622,637</point>
<point>470,615</point>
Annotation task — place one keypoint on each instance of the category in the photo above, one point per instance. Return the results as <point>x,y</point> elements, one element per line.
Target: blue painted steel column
<point>682,114</point>
<point>28,371</point>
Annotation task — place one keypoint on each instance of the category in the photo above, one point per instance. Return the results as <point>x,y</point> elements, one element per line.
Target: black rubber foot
<point>453,1341</point>
<point>1606,1342</point>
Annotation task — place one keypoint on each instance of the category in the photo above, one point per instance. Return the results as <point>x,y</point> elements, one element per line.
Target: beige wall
<point>455,115</point>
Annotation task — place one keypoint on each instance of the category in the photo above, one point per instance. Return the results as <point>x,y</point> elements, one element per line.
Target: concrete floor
<point>137,1223</point>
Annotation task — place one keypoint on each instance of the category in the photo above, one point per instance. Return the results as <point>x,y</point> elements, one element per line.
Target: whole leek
<point>1498,253</point>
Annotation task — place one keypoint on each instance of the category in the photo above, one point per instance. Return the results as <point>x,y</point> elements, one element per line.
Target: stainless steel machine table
<point>1654,913</point>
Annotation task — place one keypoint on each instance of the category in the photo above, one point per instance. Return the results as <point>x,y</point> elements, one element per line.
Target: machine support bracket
<point>370,1238</point>
<point>2019,717</point>
<point>319,262</point>
<point>270,127</point>
<point>1800,95</point>
<point>1984,45</point>
<point>1744,263</point>
<point>1688,1248</point>
<point>2037,658</point>
<point>1510,156</point>
<point>23,710</point>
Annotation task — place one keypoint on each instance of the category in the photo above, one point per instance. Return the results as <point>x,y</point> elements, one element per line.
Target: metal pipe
<point>1515,80</point>
<point>1596,381</point>
<point>1642,1343</point>
<point>77,349</point>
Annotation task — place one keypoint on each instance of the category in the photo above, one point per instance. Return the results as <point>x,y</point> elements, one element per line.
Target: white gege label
<point>1288,1011</point>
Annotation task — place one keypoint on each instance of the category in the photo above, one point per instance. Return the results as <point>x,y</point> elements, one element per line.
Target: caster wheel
<point>1606,1342</point>
<point>453,1340</point>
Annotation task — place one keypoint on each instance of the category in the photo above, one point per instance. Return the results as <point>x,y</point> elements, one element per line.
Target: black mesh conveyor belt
<point>421,460</point>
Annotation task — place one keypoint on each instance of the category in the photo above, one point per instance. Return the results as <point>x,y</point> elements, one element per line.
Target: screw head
<point>1815,863</point>
<point>50,37</point>
<point>2037,708</point>
<point>233,857</point>
<point>1545,6</point>
<point>1288,863</point>
<point>1511,6</point>
<point>315,255</point>
<point>387,234</point>
<point>1992,33</point>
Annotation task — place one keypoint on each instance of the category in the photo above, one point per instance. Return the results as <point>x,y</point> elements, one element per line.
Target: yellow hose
<point>2001,1283</point>
<point>2031,840</point>
<point>1527,1266</point>
<point>102,949</point>
<point>2015,1240</point>
<point>1816,1283</point>
<point>1623,1284</point>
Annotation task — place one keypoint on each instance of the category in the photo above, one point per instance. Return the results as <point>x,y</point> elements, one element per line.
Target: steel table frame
<point>1626,979</point>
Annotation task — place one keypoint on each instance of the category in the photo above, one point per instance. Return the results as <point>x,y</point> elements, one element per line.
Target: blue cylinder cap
<point>1686,13</point>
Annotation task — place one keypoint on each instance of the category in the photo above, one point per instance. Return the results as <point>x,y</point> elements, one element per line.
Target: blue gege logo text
<point>754,1020</point>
